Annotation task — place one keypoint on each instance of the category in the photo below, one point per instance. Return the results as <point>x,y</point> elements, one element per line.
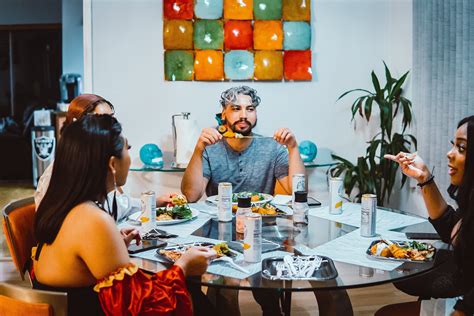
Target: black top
<point>80,300</point>
<point>444,226</point>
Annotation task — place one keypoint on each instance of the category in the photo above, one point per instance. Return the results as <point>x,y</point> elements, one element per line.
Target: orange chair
<point>18,301</point>
<point>18,223</point>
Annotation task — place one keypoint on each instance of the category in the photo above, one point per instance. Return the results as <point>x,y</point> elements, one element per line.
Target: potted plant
<point>372,173</point>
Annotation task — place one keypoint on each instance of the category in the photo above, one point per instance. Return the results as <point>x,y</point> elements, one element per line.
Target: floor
<point>365,301</point>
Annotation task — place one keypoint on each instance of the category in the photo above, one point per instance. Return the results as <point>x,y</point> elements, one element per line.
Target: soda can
<point>224,204</point>
<point>335,195</point>
<point>368,214</point>
<point>298,183</point>
<point>148,207</point>
<point>224,231</point>
<point>366,272</point>
<point>253,238</point>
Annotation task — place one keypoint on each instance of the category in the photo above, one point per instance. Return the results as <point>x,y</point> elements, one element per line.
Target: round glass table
<point>331,294</point>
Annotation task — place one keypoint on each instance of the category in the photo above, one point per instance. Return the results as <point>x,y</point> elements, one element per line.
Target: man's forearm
<point>295,166</point>
<point>192,184</point>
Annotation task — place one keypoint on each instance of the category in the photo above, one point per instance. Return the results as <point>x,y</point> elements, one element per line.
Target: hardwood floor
<point>365,301</point>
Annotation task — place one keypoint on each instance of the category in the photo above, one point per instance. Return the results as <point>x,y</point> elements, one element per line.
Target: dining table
<point>333,236</point>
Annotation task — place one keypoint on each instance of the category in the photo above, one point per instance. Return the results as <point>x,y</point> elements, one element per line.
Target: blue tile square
<point>238,65</point>
<point>208,9</point>
<point>296,36</point>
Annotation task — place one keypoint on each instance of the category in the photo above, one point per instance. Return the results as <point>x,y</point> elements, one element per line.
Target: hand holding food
<point>177,208</point>
<point>412,165</point>
<point>209,136</point>
<point>195,260</point>
<point>285,137</point>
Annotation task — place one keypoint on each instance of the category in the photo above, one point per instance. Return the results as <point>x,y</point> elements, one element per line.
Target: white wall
<point>350,39</point>
<point>30,12</point>
<point>73,50</point>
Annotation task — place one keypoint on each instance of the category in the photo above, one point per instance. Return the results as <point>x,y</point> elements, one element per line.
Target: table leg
<point>334,302</point>
<point>285,298</point>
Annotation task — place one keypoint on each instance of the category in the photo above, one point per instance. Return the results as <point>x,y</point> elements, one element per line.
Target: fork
<point>232,263</point>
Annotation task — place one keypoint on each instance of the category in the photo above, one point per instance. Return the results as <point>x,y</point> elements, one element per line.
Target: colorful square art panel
<point>238,35</point>
<point>238,9</point>
<point>238,65</point>
<point>216,40</point>
<point>267,35</point>
<point>178,34</point>
<point>178,9</point>
<point>297,65</point>
<point>179,65</point>
<point>267,9</point>
<point>296,10</point>
<point>297,36</point>
<point>268,65</point>
<point>208,34</point>
<point>209,65</point>
<point>208,9</point>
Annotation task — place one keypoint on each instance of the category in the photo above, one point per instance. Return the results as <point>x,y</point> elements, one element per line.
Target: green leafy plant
<point>372,173</point>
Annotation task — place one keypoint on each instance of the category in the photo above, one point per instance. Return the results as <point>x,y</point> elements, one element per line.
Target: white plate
<point>178,221</point>
<point>266,198</point>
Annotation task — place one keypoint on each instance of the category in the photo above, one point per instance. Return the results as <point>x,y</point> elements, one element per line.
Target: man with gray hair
<point>250,164</point>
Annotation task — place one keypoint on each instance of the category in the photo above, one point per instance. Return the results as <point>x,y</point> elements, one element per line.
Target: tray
<point>183,247</point>
<point>401,243</point>
<point>326,271</point>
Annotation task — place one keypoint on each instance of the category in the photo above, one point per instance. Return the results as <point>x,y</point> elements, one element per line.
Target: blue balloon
<point>151,156</point>
<point>308,150</point>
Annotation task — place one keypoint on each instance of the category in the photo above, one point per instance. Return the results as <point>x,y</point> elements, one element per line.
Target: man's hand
<point>209,136</point>
<point>129,234</point>
<point>285,137</point>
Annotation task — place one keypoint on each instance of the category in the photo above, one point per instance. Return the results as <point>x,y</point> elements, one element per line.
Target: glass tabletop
<point>281,231</point>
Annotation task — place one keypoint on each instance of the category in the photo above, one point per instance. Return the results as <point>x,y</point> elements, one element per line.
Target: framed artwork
<point>237,40</point>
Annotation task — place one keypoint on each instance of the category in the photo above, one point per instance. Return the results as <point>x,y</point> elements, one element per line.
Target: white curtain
<point>443,76</point>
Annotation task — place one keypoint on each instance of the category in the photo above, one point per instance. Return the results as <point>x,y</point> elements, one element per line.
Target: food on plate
<point>178,208</point>
<point>254,196</point>
<point>408,250</point>
<point>266,209</point>
<point>173,254</point>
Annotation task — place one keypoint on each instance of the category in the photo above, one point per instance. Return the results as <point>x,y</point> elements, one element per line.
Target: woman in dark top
<point>80,250</point>
<point>455,277</point>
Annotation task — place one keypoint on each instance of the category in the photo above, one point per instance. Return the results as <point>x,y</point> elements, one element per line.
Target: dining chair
<point>406,309</point>
<point>17,300</point>
<point>18,222</point>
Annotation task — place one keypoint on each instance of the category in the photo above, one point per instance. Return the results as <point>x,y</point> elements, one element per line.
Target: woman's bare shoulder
<point>88,215</point>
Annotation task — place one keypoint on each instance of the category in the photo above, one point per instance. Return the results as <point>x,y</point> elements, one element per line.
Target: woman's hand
<point>164,199</point>
<point>129,234</point>
<point>412,165</point>
<point>195,260</point>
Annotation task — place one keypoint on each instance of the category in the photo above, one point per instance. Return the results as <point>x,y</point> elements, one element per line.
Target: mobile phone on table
<point>433,236</point>
<point>313,202</point>
<point>146,245</point>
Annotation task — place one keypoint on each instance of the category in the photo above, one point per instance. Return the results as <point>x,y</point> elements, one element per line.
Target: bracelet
<point>430,179</point>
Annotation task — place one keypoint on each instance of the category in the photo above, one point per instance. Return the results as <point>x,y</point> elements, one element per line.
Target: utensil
<point>232,263</point>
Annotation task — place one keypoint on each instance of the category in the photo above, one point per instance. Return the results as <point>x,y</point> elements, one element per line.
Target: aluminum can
<point>253,238</point>
<point>335,195</point>
<point>148,199</point>
<point>368,212</point>
<point>224,204</point>
<point>224,231</point>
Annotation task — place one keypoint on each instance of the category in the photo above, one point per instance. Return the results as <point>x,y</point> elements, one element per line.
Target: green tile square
<point>179,65</point>
<point>267,9</point>
<point>208,34</point>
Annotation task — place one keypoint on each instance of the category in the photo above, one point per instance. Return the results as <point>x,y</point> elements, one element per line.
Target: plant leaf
<point>368,108</point>
<point>353,90</point>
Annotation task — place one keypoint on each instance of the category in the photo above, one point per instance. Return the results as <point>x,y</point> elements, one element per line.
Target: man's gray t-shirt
<point>254,169</point>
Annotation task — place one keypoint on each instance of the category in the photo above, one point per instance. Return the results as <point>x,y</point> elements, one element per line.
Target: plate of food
<point>173,253</point>
<point>405,251</point>
<point>266,210</point>
<point>177,211</point>
<point>255,198</point>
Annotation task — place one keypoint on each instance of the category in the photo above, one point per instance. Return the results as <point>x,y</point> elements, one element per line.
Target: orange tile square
<point>296,10</point>
<point>238,9</point>
<point>267,35</point>
<point>268,65</point>
<point>209,65</point>
<point>177,34</point>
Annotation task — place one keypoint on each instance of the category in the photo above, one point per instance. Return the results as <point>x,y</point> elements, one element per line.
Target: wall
<point>350,39</point>
<point>30,12</point>
<point>73,50</point>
